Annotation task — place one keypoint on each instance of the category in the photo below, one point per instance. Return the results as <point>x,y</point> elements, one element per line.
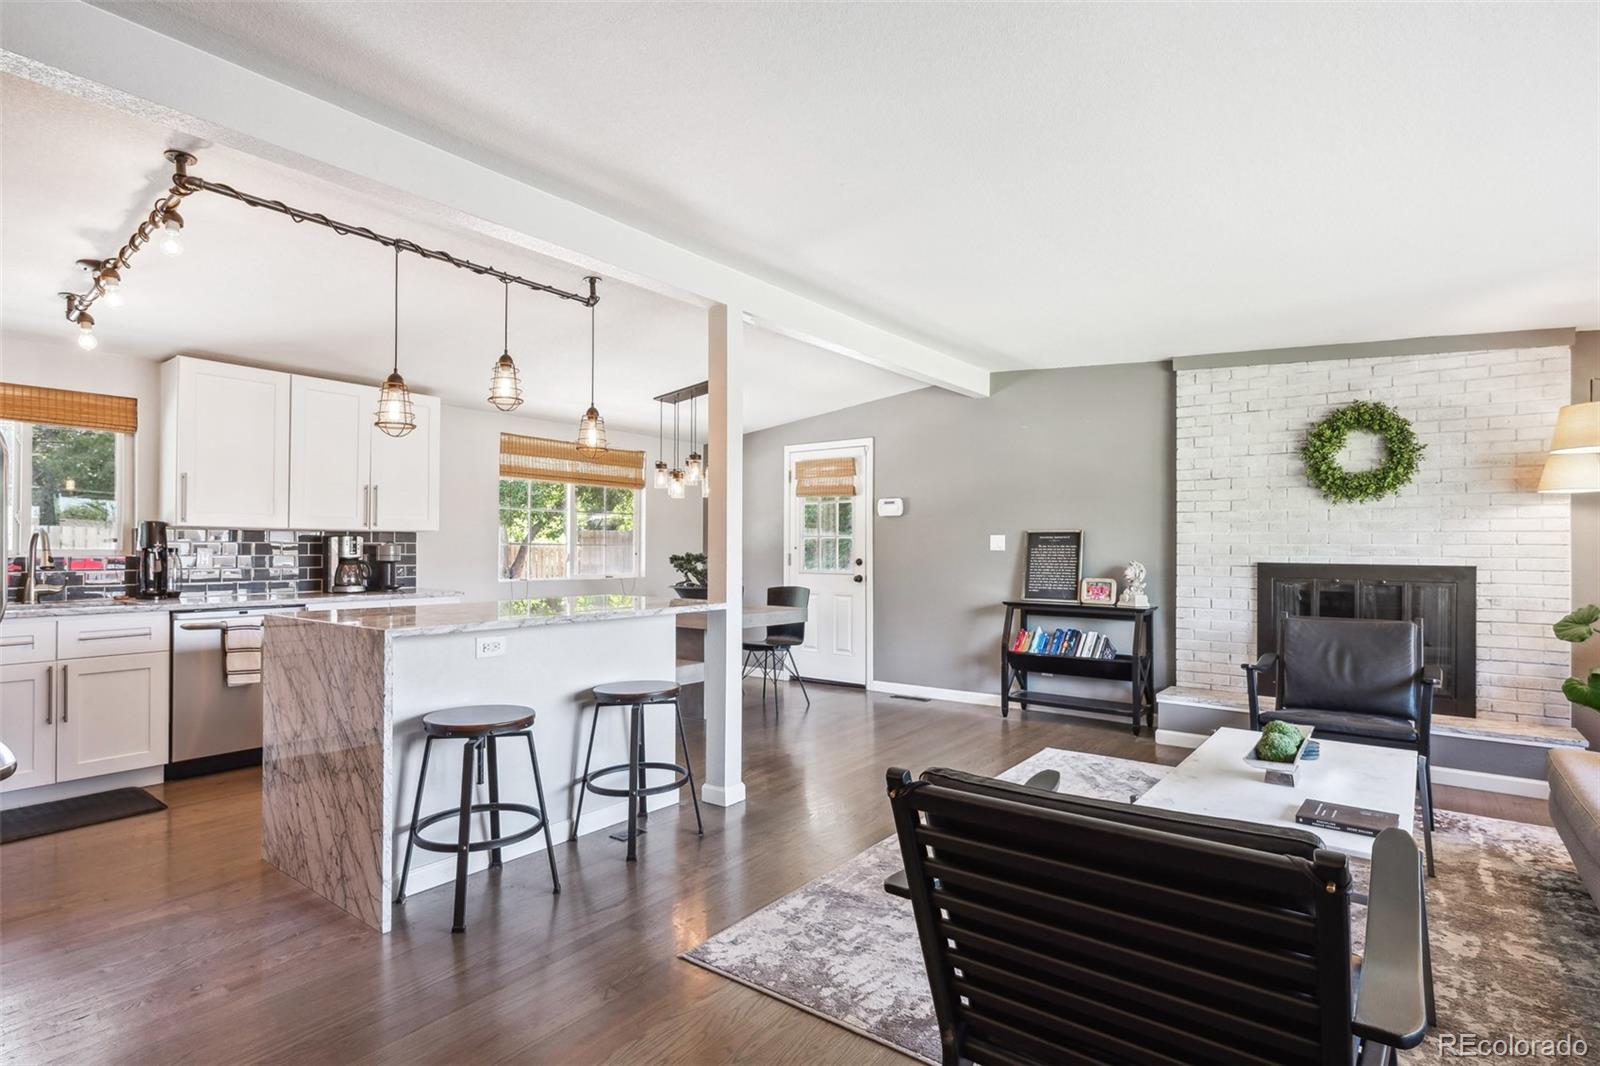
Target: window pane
<point>830,559</point>
<point>514,527</point>
<point>590,497</point>
<point>74,491</point>
<point>514,561</point>
<point>546,561</point>
<point>547,495</point>
<point>829,516</point>
<point>846,516</point>
<point>811,518</point>
<point>513,493</point>
<point>846,560</point>
<point>811,552</point>
<point>619,557</point>
<point>548,527</point>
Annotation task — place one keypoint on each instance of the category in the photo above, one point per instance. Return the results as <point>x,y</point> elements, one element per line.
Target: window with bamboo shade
<point>825,477</point>
<point>65,407</point>
<point>71,455</point>
<point>544,459</point>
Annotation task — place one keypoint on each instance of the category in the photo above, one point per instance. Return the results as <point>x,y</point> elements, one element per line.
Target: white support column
<point>725,549</point>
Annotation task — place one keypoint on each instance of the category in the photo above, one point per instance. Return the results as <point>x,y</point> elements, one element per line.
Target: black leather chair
<point>769,653</point>
<point>1360,680</point>
<point>1059,929</point>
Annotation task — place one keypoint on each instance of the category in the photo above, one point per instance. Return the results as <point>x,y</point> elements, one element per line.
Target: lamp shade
<point>1571,472</point>
<point>1577,429</point>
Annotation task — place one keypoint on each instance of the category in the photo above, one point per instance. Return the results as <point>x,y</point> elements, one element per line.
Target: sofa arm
<point>1393,1004</point>
<point>1252,683</point>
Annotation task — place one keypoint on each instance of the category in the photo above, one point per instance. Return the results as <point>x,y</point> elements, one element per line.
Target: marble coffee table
<point>1214,780</point>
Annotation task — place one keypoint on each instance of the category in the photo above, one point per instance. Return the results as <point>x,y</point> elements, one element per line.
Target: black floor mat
<point>57,815</point>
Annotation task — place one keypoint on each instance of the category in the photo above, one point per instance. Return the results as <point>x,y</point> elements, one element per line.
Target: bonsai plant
<point>692,567</point>
<point>1576,628</point>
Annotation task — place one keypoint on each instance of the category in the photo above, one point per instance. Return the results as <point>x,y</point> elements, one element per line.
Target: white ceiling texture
<point>1024,185</point>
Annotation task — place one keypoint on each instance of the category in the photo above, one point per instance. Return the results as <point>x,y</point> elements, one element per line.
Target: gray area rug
<point>1516,938</point>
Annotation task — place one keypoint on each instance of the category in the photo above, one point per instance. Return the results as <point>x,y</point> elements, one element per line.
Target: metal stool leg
<point>795,670</point>
<point>538,788</point>
<point>416,812</point>
<point>494,798</point>
<point>688,768</point>
<point>583,782</point>
<point>459,925</point>
<point>635,771</point>
<point>644,811</point>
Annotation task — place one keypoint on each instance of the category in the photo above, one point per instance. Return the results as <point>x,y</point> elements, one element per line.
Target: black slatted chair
<point>769,653</point>
<point>1058,929</point>
<point>1360,680</point>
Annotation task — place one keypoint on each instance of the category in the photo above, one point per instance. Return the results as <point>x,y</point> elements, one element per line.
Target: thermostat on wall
<point>891,508</point>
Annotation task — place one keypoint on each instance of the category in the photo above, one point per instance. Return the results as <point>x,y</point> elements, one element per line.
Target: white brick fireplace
<point>1243,498</point>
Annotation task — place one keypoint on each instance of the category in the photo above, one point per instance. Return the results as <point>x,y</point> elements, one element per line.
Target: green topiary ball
<point>1280,727</point>
<point>1278,746</point>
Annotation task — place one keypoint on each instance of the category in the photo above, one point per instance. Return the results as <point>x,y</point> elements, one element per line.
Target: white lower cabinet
<point>88,713</point>
<point>113,715</point>
<point>28,723</point>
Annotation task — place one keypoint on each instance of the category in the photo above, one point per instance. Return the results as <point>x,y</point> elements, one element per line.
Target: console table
<point>1136,668</point>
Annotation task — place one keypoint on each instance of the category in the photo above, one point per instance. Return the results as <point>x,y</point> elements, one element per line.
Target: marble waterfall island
<point>345,694</point>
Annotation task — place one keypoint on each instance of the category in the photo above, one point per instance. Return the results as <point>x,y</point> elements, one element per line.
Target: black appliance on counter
<point>156,559</point>
<point>383,574</point>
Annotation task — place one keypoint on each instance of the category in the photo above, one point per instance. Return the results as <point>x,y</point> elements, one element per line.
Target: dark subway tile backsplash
<point>217,561</point>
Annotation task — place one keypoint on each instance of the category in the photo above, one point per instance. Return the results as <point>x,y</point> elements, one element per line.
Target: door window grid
<point>550,530</point>
<point>827,535</point>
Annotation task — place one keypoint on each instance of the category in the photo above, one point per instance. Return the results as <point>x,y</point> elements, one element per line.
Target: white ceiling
<point>76,177</point>
<point>1040,184</point>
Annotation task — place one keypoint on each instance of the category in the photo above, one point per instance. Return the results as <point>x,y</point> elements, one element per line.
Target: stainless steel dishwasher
<point>214,727</point>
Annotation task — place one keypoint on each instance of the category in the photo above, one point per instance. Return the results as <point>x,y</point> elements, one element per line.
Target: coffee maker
<point>156,560</point>
<point>385,567</point>
<point>344,568</point>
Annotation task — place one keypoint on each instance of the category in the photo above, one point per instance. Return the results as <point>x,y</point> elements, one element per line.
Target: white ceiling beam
<point>94,53</point>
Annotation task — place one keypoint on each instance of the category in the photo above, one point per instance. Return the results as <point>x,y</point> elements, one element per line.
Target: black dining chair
<point>769,654</point>
<point>1061,929</point>
<point>1359,680</point>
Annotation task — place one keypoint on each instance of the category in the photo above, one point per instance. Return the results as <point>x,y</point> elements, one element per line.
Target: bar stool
<point>768,653</point>
<point>480,727</point>
<point>637,695</point>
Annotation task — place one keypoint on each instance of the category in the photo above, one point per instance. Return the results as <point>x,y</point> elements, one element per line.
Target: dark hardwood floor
<point>165,938</point>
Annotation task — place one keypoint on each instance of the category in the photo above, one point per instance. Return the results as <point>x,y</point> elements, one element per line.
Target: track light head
<point>172,227</point>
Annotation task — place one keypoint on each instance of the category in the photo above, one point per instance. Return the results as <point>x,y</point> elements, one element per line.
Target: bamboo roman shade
<point>825,477</point>
<point>544,459</point>
<point>64,407</point>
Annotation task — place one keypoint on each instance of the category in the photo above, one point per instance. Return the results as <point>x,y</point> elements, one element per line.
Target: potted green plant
<point>1576,628</point>
<point>692,566</point>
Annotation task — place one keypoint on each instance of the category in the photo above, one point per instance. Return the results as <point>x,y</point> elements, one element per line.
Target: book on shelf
<point>1041,641</point>
<point>1345,818</point>
<point>1055,642</point>
<point>1021,640</point>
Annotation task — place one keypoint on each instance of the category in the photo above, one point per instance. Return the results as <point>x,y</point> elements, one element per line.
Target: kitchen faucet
<point>30,573</point>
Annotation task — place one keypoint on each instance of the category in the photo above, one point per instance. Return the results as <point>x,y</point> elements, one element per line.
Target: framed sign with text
<point>1053,566</point>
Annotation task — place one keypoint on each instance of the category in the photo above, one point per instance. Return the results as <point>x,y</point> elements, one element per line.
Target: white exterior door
<point>330,453</point>
<point>405,472</point>
<point>828,549</point>
<point>27,723</point>
<point>113,715</point>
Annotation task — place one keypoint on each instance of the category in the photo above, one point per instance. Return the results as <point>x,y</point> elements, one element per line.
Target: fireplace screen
<point>1444,597</point>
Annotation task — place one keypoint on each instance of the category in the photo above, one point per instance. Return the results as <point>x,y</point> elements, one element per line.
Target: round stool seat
<point>636,692</point>
<point>475,721</point>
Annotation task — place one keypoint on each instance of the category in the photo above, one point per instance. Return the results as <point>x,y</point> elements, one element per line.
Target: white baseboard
<point>723,795</point>
<point>949,695</point>
<point>1486,782</point>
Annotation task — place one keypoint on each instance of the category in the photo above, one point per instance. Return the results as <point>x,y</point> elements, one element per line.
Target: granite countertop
<point>436,619</point>
<point>200,602</point>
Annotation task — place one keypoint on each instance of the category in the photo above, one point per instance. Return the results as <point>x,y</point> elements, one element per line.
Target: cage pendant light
<point>661,446</point>
<point>591,427</point>
<point>692,467</point>
<point>395,415</point>
<point>505,387</point>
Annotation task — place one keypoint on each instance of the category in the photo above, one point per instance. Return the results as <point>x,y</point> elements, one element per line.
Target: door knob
<point>858,562</point>
<point>858,579</point>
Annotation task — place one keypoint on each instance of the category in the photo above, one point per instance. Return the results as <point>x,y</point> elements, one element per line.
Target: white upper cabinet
<point>225,444</point>
<point>330,453</point>
<point>405,472</point>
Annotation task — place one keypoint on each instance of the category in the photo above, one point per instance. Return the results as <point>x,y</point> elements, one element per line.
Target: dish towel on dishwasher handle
<point>241,655</point>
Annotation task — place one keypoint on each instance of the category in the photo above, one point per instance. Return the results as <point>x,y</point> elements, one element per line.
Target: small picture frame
<point>1102,590</point>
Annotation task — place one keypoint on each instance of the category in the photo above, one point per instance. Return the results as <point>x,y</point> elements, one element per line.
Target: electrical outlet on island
<point>489,647</point>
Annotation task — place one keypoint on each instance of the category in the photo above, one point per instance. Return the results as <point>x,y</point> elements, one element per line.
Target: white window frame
<point>22,497</point>
<point>639,496</point>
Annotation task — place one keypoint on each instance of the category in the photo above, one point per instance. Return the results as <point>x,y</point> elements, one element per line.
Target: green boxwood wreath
<point>1327,438</point>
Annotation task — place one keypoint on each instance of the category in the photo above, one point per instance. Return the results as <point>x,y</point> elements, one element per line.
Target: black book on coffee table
<point>1347,819</point>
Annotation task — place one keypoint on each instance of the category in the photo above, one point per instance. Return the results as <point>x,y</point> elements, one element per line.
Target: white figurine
<point>1133,587</point>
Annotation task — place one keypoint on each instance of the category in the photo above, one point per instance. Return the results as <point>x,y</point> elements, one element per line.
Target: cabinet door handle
<point>17,642</point>
<point>183,497</point>
<point>49,695</point>
<point>373,521</point>
<point>63,692</point>
<point>114,634</point>
<point>366,505</point>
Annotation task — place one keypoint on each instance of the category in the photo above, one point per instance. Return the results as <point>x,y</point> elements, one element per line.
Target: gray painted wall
<point>1086,447</point>
<point>1586,538</point>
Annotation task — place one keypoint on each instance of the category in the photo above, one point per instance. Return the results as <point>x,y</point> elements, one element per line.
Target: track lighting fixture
<point>395,414</point>
<point>505,388</point>
<point>171,228</point>
<point>86,338</point>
